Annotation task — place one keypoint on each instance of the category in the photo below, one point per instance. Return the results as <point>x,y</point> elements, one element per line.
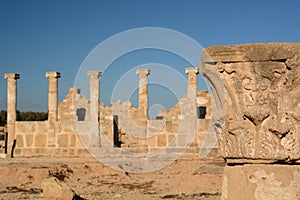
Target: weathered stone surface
<point>20,142</point>
<point>143,91</point>
<point>73,140</point>
<point>11,107</point>
<point>161,140</point>
<point>29,140</point>
<point>74,107</point>
<point>24,127</point>
<point>54,189</point>
<point>63,140</point>
<point>52,95</point>
<point>152,142</point>
<point>192,81</point>
<point>260,182</point>
<point>94,96</point>
<point>262,101</point>
<point>252,52</point>
<point>40,140</point>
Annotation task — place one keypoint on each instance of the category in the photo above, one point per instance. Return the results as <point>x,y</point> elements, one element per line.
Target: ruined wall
<point>260,93</point>
<point>71,121</point>
<point>32,138</point>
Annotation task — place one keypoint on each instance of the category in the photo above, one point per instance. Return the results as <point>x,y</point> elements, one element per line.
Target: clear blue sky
<point>56,35</point>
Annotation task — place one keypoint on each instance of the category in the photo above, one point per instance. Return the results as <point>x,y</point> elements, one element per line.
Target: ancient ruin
<point>125,126</point>
<point>253,111</point>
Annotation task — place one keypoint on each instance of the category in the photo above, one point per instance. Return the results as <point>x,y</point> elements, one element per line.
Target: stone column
<point>94,141</point>
<point>94,95</point>
<point>143,91</point>
<point>53,95</point>
<point>52,106</point>
<point>192,81</point>
<point>11,109</point>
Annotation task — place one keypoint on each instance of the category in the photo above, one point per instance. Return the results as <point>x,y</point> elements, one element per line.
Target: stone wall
<point>32,140</point>
<point>3,139</point>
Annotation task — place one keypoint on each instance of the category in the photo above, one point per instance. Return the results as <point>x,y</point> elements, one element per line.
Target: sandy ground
<point>183,179</point>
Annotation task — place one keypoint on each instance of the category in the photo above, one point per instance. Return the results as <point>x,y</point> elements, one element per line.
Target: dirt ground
<point>20,178</point>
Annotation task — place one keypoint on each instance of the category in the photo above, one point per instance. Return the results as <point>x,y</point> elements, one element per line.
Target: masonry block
<point>29,140</point>
<point>152,141</point>
<point>261,181</point>
<point>73,140</point>
<point>20,141</point>
<point>40,140</point>
<point>161,140</point>
<point>63,140</point>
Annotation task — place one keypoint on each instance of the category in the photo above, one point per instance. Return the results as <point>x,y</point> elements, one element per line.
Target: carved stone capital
<point>94,74</point>
<point>11,76</point>
<point>191,70</point>
<point>262,95</point>
<point>52,74</point>
<point>143,71</point>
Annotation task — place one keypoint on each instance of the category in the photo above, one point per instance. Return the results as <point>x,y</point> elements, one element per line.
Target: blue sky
<point>39,36</point>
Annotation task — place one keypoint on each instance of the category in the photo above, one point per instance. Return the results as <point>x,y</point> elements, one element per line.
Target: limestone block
<point>40,140</point>
<point>40,127</point>
<point>18,152</point>
<point>251,52</point>
<point>27,152</point>
<point>261,181</point>
<point>79,143</point>
<point>63,140</point>
<point>68,126</point>
<point>203,124</point>
<point>171,126</point>
<point>162,140</point>
<point>41,151</point>
<point>72,152</point>
<point>29,140</point>
<point>82,152</point>
<point>170,138</point>
<point>152,141</point>
<point>54,189</point>
<point>262,95</point>
<point>154,127</point>
<point>20,141</point>
<point>181,140</point>
<point>73,140</point>
<point>25,127</point>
